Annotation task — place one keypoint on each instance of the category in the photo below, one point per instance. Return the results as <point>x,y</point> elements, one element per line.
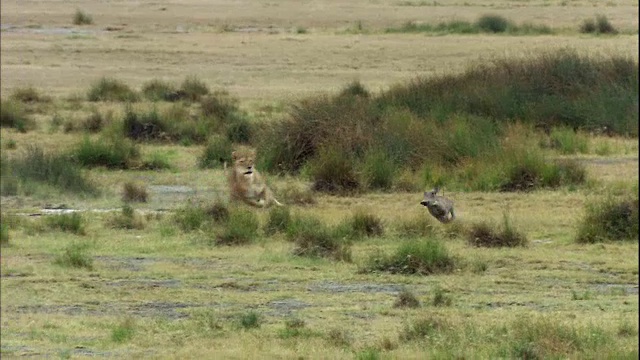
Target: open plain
<point>157,288</point>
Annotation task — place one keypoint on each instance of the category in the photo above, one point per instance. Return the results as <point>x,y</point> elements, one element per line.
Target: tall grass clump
<point>241,228</point>
<point>127,218</point>
<point>134,192</point>
<point>192,89</point>
<point>57,170</point>
<point>13,115</point>
<point>485,235</point>
<point>599,25</point>
<point>553,88</point>
<point>313,238</point>
<point>278,220</point>
<point>190,217</point>
<point>110,152</point>
<point>334,172</point>
<point>75,256</point>
<point>159,90</point>
<point>73,223</point>
<point>609,218</point>
<point>544,338</point>
<point>172,124</point>
<point>362,223</point>
<point>82,18</point>
<point>216,154</point>
<point>568,141</point>
<point>110,89</point>
<point>424,257</point>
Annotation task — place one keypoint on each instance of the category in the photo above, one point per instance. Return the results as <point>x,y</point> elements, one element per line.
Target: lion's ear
<point>234,155</point>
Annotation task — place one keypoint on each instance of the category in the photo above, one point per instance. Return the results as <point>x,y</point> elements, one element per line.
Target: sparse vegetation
<point>82,18</point>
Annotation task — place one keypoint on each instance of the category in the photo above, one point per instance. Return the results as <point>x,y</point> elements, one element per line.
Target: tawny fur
<point>246,184</point>
<point>439,207</point>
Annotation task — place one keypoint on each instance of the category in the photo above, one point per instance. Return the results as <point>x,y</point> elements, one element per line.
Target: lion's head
<point>244,161</point>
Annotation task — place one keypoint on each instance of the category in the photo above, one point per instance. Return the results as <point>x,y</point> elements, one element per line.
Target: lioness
<point>246,183</point>
<point>439,207</point>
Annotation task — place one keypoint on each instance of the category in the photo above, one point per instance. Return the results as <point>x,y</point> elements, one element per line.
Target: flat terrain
<point>160,292</point>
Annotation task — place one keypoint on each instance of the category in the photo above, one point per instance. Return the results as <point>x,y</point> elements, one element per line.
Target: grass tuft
<point>485,235</point>
<point>75,255</point>
<point>423,257</point>
<point>82,18</point>
<point>609,219</point>
<point>241,228</point>
<point>109,89</point>
<point>406,299</point>
<point>73,223</point>
<point>315,239</point>
<point>278,220</point>
<point>13,115</point>
<point>132,192</point>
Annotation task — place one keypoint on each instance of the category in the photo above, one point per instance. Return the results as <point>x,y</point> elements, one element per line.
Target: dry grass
<point>157,291</point>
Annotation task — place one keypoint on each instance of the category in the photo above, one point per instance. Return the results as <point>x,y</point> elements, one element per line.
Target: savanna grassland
<point>118,239</point>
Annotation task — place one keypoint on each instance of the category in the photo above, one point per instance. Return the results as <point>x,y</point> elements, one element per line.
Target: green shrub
<point>485,235</point>
<point>159,90</point>
<point>112,153</point>
<point>12,115</point>
<point>218,211</point>
<point>220,105</point>
<point>296,194</point>
<point>52,169</point>
<point>96,121</point>
<point>173,124</point>
<point>609,219</point>
<point>240,131</point>
<point>440,297</point>
<point>355,88</point>
<point>73,223</point>
<point>82,18</point>
<point>278,220</point>
<point>109,89</point>
<point>423,257</point>
<point>75,255</point>
<point>314,239</point>
<point>493,23</point>
<point>29,95</point>
<point>216,154</point>
<point>241,228</point>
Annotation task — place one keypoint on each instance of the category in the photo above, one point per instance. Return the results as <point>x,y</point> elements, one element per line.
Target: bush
<point>424,257</point>
<point>378,170</point>
<point>493,23</point>
<point>485,235</point>
<point>132,192</point>
<point>72,223</point>
<point>173,124</point>
<point>241,228</point>
<point>296,194</point>
<point>314,239</point>
<point>75,255</point>
<point>82,18</point>
<point>109,89</point>
<point>112,153</point>
<point>12,115</point>
<point>218,211</point>
<point>249,320</point>
<point>158,90</point>
<point>609,219</point>
<point>278,220</point>
<point>216,154</point>
<point>190,218</point>
<point>568,141</point>
<point>55,170</point>
<point>220,106</point>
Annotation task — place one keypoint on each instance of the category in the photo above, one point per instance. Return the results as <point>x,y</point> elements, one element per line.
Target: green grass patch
<point>422,257</point>
<point>127,218</point>
<point>110,89</point>
<point>72,223</point>
<point>123,332</point>
<point>112,152</point>
<point>609,218</point>
<point>485,235</point>
<point>313,238</point>
<point>278,220</point>
<point>82,18</point>
<point>216,154</point>
<point>75,256</point>
<point>13,115</point>
<point>241,228</point>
